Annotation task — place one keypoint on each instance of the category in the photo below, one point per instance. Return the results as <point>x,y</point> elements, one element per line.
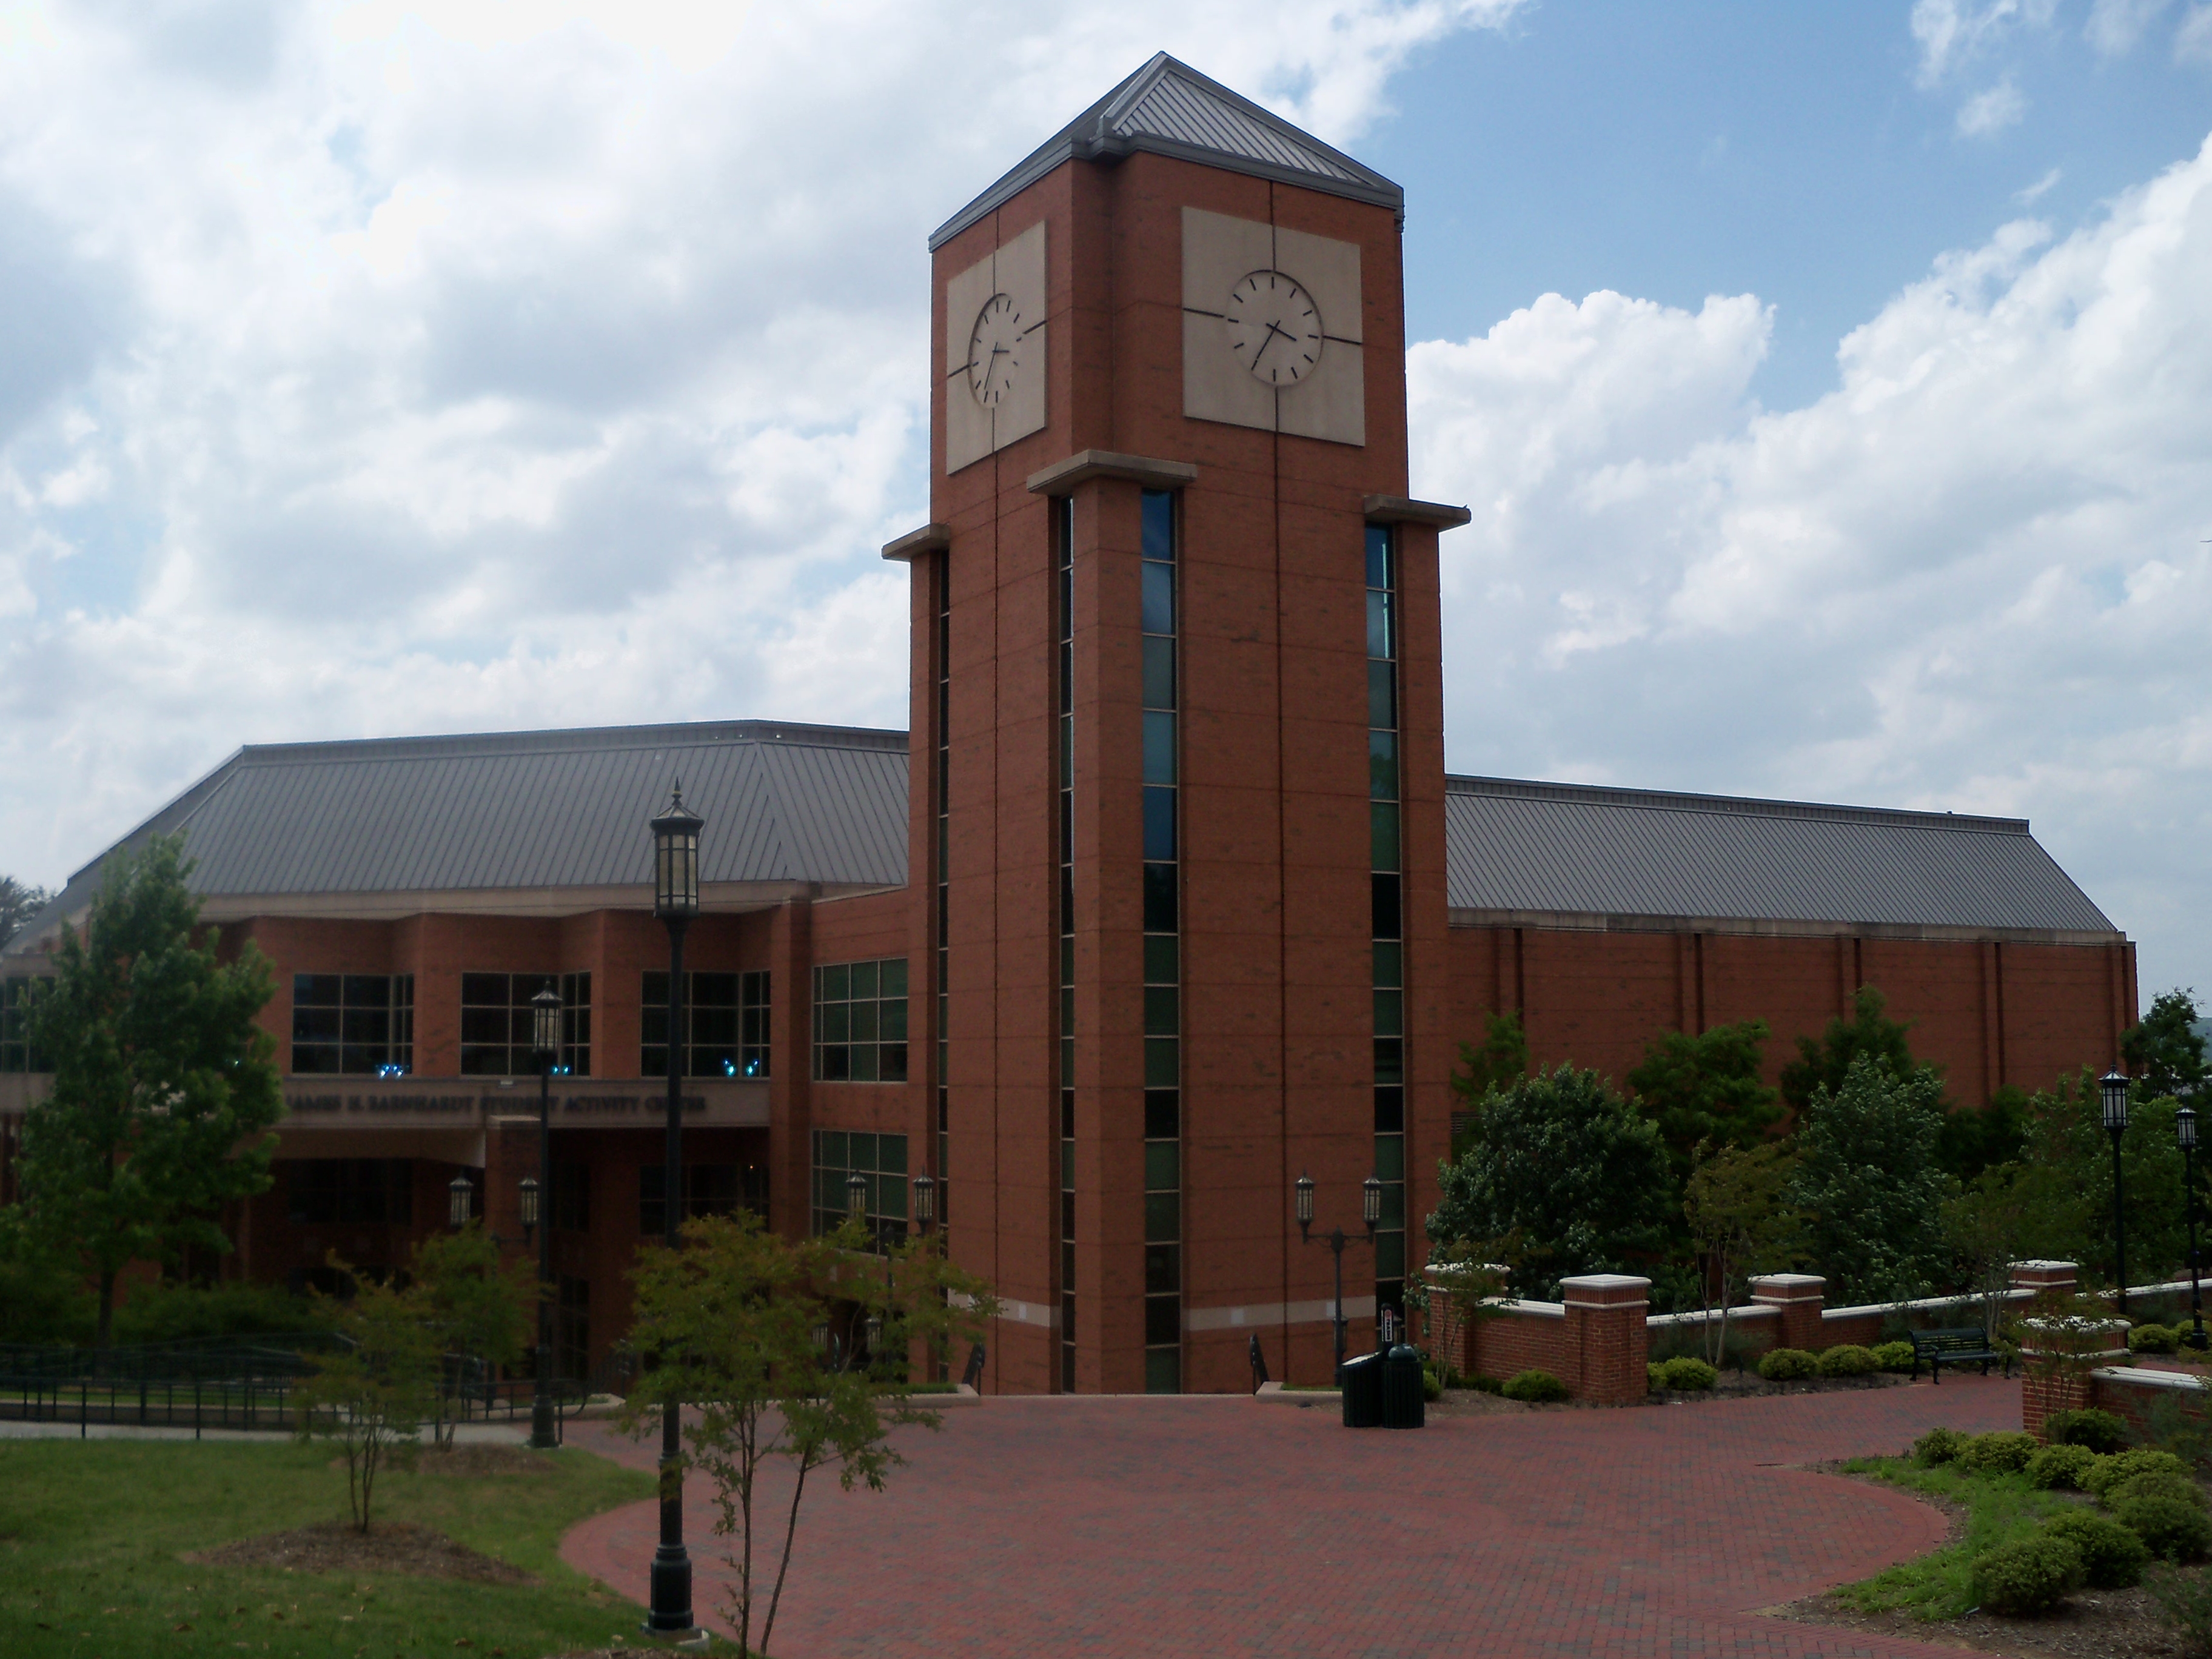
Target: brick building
<point>1178,904</point>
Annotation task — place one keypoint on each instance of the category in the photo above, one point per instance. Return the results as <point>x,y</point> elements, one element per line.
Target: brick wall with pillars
<point>2059,1355</point>
<point>1607,1342</point>
<point>1800,1299</point>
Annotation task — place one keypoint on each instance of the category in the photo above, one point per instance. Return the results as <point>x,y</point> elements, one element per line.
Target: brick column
<point>2059,1355</point>
<point>1608,1340</point>
<point>1799,1298</point>
<point>511,1153</point>
<point>1449,1330</point>
<point>2043,1277</point>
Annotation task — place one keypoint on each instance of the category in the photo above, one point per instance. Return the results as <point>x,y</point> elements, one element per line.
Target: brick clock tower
<point>1177,845</point>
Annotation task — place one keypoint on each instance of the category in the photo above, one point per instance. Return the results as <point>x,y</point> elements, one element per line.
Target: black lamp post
<point>1371,1212</point>
<point>545,1044</point>
<point>675,900</point>
<point>2184,1129</point>
<point>2112,1087</point>
<point>856,1207</point>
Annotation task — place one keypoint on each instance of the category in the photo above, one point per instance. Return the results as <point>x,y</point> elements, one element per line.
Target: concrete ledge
<point>1403,509</point>
<point>1274,1393</point>
<point>1086,465</point>
<point>2128,1376</point>
<point>929,539</point>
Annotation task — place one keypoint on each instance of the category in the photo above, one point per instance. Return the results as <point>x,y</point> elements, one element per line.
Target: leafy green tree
<point>1869,1184</point>
<point>372,1392</point>
<point>1707,1088</point>
<point>1979,1138</point>
<point>1496,1062</point>
<point>162,1082</point>
<point>1737,1203</point>
<point>474,1307</point>
<point>1996,1221</point>
<point>41,1300</point>
<point>19,903</point>
<point>2067,1135</point>
<point>1562,1160</point>
<point>726,1325</point>
<point>1826,1063</point>
<point>2164,1054</point>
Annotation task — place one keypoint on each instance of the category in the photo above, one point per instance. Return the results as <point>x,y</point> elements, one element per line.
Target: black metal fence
<point>228,1382</point>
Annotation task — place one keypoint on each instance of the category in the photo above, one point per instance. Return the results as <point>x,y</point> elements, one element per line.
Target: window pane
<point>1389,1013</point>
<point>863,1062</point>
<point>1390,1254</point>
<point>1159,747</point>
<point>1382,693</point>
<point>1162,1111</point>
<point>836,982</point>
<point>836,1153</point>
<point>1161,967</point>
<point>893,1064</point>
<point>837,1063</point>
<point>1390,1158</point>
<point>1159,672</point>
<point>1382,835</point>
<point>890,1156</point>
<point>1158,598</point>
<point>1164,1370</point>
<point>1390,1060</point>
<point>1159,822</point>
<point>1159,524</point>
<point>483,988</point>
<point>1389,973</point>
<point>1163,1218</point>
<point>1161,1068</point>
<point>368,990</point>
<point>864,982</point>
<point>893,978</point>
<point>1162,1269</point>
<point>1159,898</point>
<point>836,1022</point>
<point>1380,636</point>
<point>1383,765</point>
<point>863,1151</point>
<point>1162,1164</point>
<point>1390,1109</point>
<point>1161,1010</point>
<point>316,990</point>
<point>1163,1319</point>
<point>1381,572</point>
<point>1384,890</point>
<point>864,1022</point>
<point>890,1021</point>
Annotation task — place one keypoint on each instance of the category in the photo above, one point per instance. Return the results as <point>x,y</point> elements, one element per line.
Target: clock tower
<point>1178,841</point>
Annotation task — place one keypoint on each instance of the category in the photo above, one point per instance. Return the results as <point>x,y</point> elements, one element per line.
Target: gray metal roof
<point>783,802</point>
<point>1168,108</point>
<point>1558,850</point>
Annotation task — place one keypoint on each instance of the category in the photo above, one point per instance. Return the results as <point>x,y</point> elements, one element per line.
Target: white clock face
<point>1274,328</point>
<point>995,350</point>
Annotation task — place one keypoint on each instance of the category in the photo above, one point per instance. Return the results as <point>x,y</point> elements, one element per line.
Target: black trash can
<point>1404,1404</point>
<point>1361,1379</point>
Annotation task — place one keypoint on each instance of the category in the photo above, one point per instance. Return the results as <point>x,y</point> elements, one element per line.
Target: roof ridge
<point>575,739</point>
<point>1731,806</point>
<point>1214,125</point>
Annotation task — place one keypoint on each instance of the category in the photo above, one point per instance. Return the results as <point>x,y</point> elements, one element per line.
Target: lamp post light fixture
<point>675,902</point>
<point>1371,1212</point>
<point>460,1202</point>
<point>545,1047</point>
<point>2112,1088</point>
<point>2184,1129</point>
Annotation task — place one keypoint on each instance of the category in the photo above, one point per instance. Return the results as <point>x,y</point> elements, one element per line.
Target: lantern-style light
<point>1305,1189</point>
<point>856,1196</point>
<point>545,1024</point>
<point>2185,1128</point>
<point>875,1325</point>
<point>925,1199</point>
<point>529,1202</point>
<point>2113,1086</point>
<point>460,1199</point>
<point>676,860</point>
<point>822,1336</point>
<point>1371,1201</point>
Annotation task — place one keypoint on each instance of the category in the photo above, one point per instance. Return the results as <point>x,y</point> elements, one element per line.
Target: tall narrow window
<point>1388,929</point>
<point>1163,954</point>
<point>941,912</point>
<point>1063,521</point>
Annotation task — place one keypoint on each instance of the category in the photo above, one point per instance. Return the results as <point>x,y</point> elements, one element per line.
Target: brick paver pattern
<point>1127,1527</point>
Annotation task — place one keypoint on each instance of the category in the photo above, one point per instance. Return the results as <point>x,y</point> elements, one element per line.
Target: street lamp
<point>545,1047</point>
<point>2184,1129</point>
<point>675,900</point>
<point>2113,1087</point>
<point>460,1202</point>
<point>1371,1212</point>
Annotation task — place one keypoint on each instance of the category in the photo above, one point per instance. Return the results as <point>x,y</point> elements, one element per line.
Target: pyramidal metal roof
<point>1559,851</point>
<point>1168,108</point>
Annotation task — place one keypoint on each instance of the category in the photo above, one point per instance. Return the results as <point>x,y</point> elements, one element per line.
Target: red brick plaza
<point>1130,1526</point>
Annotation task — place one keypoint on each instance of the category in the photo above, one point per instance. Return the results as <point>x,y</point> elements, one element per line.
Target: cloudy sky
<point>1832,386</point>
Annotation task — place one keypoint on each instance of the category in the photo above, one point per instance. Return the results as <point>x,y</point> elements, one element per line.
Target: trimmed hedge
<point>2126,1466</point>
<point>2154,1339</point>
<point>2174,1529</point>
<point>1687,1375</point>
<point>1787,1364</point>
<point>2163,1482</point>
<point>2031,1576</point>
<point>2113,1555</point>
<point>1893,1356</point>
<point>1535,1386</point>
<point>1849,1359</point>
<point>1938,1446</point>
<point>2005,1452</point>
<point>2100,1432</point>
<point>2060,1467</point>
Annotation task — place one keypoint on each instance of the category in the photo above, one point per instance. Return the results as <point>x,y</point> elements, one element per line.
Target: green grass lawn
<point>92,1534</point>
<point>1999,1508</point>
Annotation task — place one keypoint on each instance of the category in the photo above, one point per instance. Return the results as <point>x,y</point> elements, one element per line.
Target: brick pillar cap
<point>2046,1266</point>
<point>1789,1281</point>
<point>1604,1289</point>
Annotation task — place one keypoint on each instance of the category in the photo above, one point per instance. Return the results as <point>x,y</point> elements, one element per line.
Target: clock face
<point>1274,328</point>
<point>995,350</point>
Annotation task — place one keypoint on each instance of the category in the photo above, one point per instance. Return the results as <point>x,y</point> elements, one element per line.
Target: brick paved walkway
<point>1132,1527</point>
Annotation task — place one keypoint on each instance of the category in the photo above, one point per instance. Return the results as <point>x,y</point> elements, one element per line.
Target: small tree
<point>727,1327</point>
<point>371,1393</point>
<point>473,1306</point>
<point>1498,1062</point>
<point>1825,1064</point>
<point>1563,1160</point>
<point>1992,1224</point>
<point>19,903</point>
<point>1707,1088</point>
<point>1869,1183</point>
<point>1736,1201</point>
<point>2164,1054</point>
<point>162,1081</point>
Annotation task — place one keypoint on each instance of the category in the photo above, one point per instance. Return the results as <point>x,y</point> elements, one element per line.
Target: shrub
<point>166,1313</point>
<point>1691,1376</point>
<point>1893,1356</point>
<point>2174,1529</point>
<point>1787,1364</point>
<point>2005,1452</point>
<point>2127,1464</point>
<point>2152,1339</point>
<point>1849,1359</point>
<point>1938,1446</point>
<point>2163,1482</point>
<point>1482,1384</point>
<point>2031,1576</point>
<point>1432,1386</point>
<point>2100,1432</point>
<point>2186,1598</point>
<point>2113,1555</point>
<point>1534,1386</point>
<point>1654,1376</point>
<point>2060,1466</point>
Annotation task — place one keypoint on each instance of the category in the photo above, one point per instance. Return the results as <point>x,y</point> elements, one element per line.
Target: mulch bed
<point>390,1546</point>
<point>480,1461</point>
<point>2093,1624</point>
<point>1745,1385</point>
